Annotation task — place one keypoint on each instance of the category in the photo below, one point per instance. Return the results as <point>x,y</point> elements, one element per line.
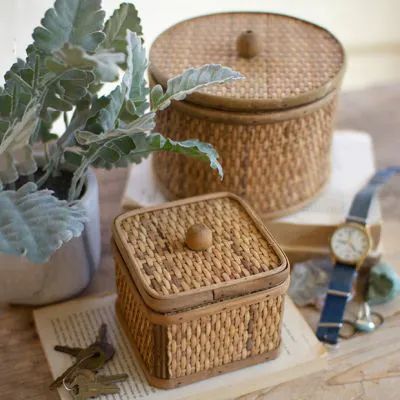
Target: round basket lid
<point>286,61</point>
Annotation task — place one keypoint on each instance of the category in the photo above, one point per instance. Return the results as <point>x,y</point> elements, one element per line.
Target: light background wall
<point>369,29</point>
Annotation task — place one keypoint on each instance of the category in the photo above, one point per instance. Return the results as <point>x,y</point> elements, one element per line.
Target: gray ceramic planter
<point>68,271</point>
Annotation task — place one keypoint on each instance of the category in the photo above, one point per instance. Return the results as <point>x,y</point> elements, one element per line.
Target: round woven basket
<point>272,130</point>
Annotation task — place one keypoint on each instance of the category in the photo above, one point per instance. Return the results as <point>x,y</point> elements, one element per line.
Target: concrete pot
<point>69,269</point>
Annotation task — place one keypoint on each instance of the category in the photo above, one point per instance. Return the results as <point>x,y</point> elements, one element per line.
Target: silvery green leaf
<point>15,151</point>
<point>5,105</point>
<point>105,112</point>
<point>93,123</point>
<point>123,146</point>
<point>84,138</point>
<point>3,128</point>
<point>191,80</point>
<point>124,18</point>
<point>78,22</point>
<point>44,132</point>
<point>129,101</point>
<point>107,65</point>
<point>8,169</point>
<point>64,94</point>
<point>18,163</point>
<point>191,148</point>
<point>35,223</point>
<point>107,150</point>
<point>143,124</point>
<point>73,157</point>
<point>103,63</point>
<point>19,133</point>
<point>133,82</point>
<point>20,75</point>
<point>18,90</point>
<point>108,115</point>
<point>25,161</point>
<point>133,149</point>
<point>156,95</point>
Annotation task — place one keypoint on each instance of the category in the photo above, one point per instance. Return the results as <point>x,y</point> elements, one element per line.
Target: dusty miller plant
<point>74,52</point>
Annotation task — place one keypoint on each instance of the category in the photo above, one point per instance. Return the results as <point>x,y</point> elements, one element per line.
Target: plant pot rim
<point>90,187</point>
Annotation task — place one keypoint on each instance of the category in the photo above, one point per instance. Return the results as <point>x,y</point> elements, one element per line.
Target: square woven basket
<point>193,314</point>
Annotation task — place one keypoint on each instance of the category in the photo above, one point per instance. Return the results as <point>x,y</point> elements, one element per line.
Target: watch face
<point>350,243</point>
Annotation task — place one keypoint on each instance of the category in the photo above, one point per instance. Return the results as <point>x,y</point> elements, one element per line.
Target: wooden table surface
<point>366,367</point>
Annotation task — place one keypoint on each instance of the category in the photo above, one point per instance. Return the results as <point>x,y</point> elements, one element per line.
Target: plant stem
<point>36,74</point>
<point>75,189</point>
<point>14,102</point>
<point>81,182</point>
<point>46,152</point>
<point>66,122</point>
<point>43,179</point>
<point>21,81</point>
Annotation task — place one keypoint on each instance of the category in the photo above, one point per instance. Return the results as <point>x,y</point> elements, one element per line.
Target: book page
<point>75,323</point>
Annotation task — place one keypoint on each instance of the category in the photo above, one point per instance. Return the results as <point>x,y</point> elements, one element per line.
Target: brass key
<point>87,384</point>
<point>86,375</point>
<point>72,351</point>
<point>106,380</point>
<point>100,341</point>
<point>90,376</point>
<point>93,358</point>
<point>84,392</point>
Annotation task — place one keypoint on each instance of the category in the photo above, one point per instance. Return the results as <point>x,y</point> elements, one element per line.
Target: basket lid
<point>286,61</point>
<point>241,259</point>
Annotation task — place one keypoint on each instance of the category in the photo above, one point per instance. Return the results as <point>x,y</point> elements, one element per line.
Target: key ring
<point>74,372</point>
<point>352,327</point>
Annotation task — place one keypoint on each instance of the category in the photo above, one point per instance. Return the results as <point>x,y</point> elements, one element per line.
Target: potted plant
<point>49,217</point>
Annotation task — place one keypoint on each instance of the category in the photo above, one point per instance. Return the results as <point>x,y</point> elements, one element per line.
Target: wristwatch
<point>350,245</point>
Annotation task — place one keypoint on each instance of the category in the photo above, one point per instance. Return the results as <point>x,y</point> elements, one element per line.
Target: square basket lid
<point>294,62</point>
<point>243,257</point>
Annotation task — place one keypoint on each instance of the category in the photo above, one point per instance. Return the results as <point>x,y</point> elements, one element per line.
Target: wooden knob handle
<point>248,44</point>
<point>198,237</point>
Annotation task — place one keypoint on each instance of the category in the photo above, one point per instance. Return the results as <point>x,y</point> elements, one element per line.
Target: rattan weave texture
<point>296,59</point>
<point>135,317</point>
<point>225,304</point>
<point>273,130</point>
<point>277,166</point>
<point>156,241</point>
<point>175,352</point>
<point>223,338</point>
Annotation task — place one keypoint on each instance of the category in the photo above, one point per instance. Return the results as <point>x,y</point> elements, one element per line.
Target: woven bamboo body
<point>194,314</point>
<point>276,161</point>
<point>181,348</point>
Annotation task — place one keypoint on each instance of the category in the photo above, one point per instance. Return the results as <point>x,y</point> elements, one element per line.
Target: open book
<point>75,323</point>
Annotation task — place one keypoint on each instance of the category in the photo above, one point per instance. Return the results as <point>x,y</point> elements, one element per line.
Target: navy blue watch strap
<point>362,201</point>
<point>335,303</point>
